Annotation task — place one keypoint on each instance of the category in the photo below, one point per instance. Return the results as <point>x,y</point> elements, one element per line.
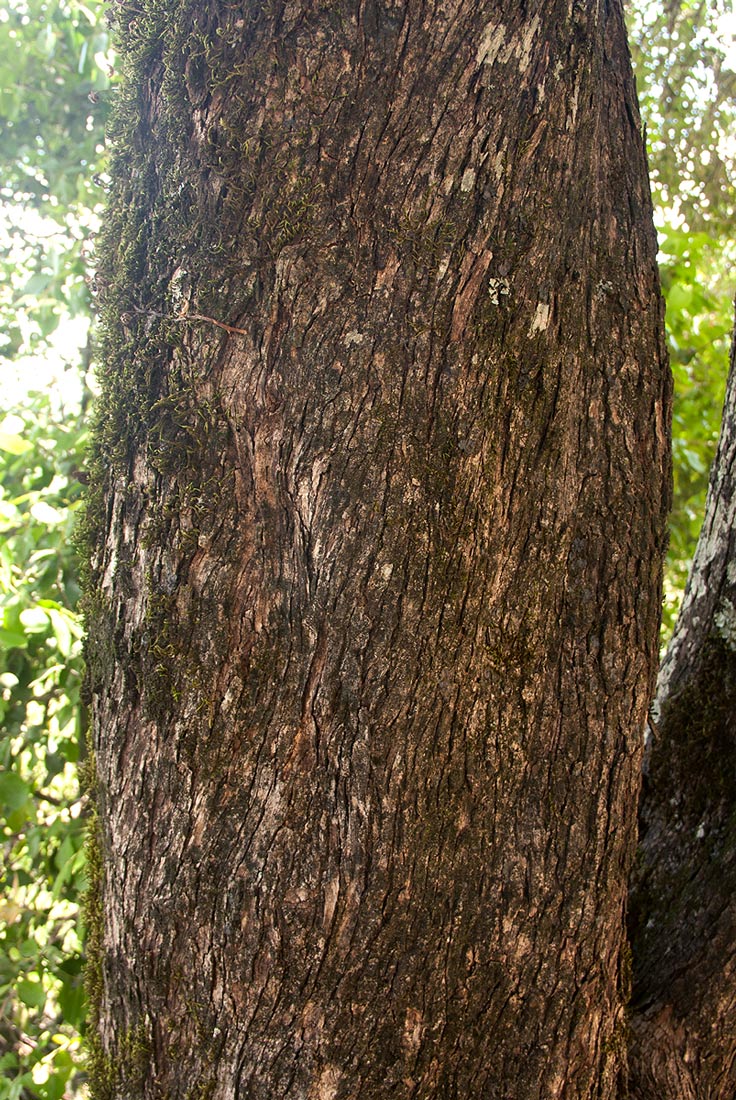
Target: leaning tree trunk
<point>684,899</point>
<point>381,492</point>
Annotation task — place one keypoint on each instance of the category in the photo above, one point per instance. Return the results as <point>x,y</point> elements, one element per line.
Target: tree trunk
<point>381,487</point>
<point>683,912</point>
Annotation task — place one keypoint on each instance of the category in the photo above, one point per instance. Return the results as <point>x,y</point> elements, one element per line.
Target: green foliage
<point>40,807</point>
<point>53,102</point>
<point>687,93</point>
<point>53,81</point>
<point>699,319</point>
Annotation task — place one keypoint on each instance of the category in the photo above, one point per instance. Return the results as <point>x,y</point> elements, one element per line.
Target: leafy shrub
<point>41,820</point>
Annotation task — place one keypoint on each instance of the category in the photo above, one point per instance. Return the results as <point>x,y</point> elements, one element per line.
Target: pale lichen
<point>490,43</point>
<point>497,288</point>
<point>725,622</point>
<point>541,318</point>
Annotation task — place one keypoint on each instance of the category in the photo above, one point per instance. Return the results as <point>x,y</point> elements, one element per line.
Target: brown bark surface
<point>382,478</point>
<point>684,912</point>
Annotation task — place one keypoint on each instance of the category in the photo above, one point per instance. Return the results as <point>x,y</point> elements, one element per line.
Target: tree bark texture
<point>382,480</point>
<point>683,912</point>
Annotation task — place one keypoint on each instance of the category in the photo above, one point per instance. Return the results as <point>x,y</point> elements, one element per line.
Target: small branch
<point>212,321</point>
<point>125,318</point>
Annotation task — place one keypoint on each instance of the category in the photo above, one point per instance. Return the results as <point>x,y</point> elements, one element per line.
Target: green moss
<point>614,1058</point>
<point>98,1068</point>
<point>148,224</point>
<point>125,1071</point>
<point>165,219</point>
<point>427,243</point>
<point>130,1061</point>
<point>161,650</point>
<point>203,1090</point>
<point>182,431</point>
<point>165,216</point>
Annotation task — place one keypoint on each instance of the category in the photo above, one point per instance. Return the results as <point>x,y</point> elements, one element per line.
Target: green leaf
<point>54,1086</point>
<point>32,993</point>
<point>62,632</point>
<point>14,792</point>
<point>12,639</point>
<point>72,1002</point>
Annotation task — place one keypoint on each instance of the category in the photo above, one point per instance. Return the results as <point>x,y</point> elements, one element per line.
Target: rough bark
<point>684,913</point>
<point>381,488</point>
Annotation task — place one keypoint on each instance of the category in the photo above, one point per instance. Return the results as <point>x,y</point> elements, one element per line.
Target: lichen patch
<point>541,318</point>
<point>490,43</point>
<point>326,1086</point>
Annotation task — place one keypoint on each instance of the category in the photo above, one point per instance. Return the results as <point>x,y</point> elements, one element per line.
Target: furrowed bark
<point>382,484</point>
<point>683,914</point>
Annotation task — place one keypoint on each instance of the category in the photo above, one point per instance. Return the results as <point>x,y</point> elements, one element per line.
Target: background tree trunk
<point>381,494</point>
<point>683,911</point>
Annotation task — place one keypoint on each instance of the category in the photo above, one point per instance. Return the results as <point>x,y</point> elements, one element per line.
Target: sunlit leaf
<point>47,515</point>
<point>35,620</point>
<point>14,444</point>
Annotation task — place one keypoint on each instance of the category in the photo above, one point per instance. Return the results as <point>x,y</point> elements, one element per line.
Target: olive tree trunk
<point>378,519</point>
<point>684,898</point>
